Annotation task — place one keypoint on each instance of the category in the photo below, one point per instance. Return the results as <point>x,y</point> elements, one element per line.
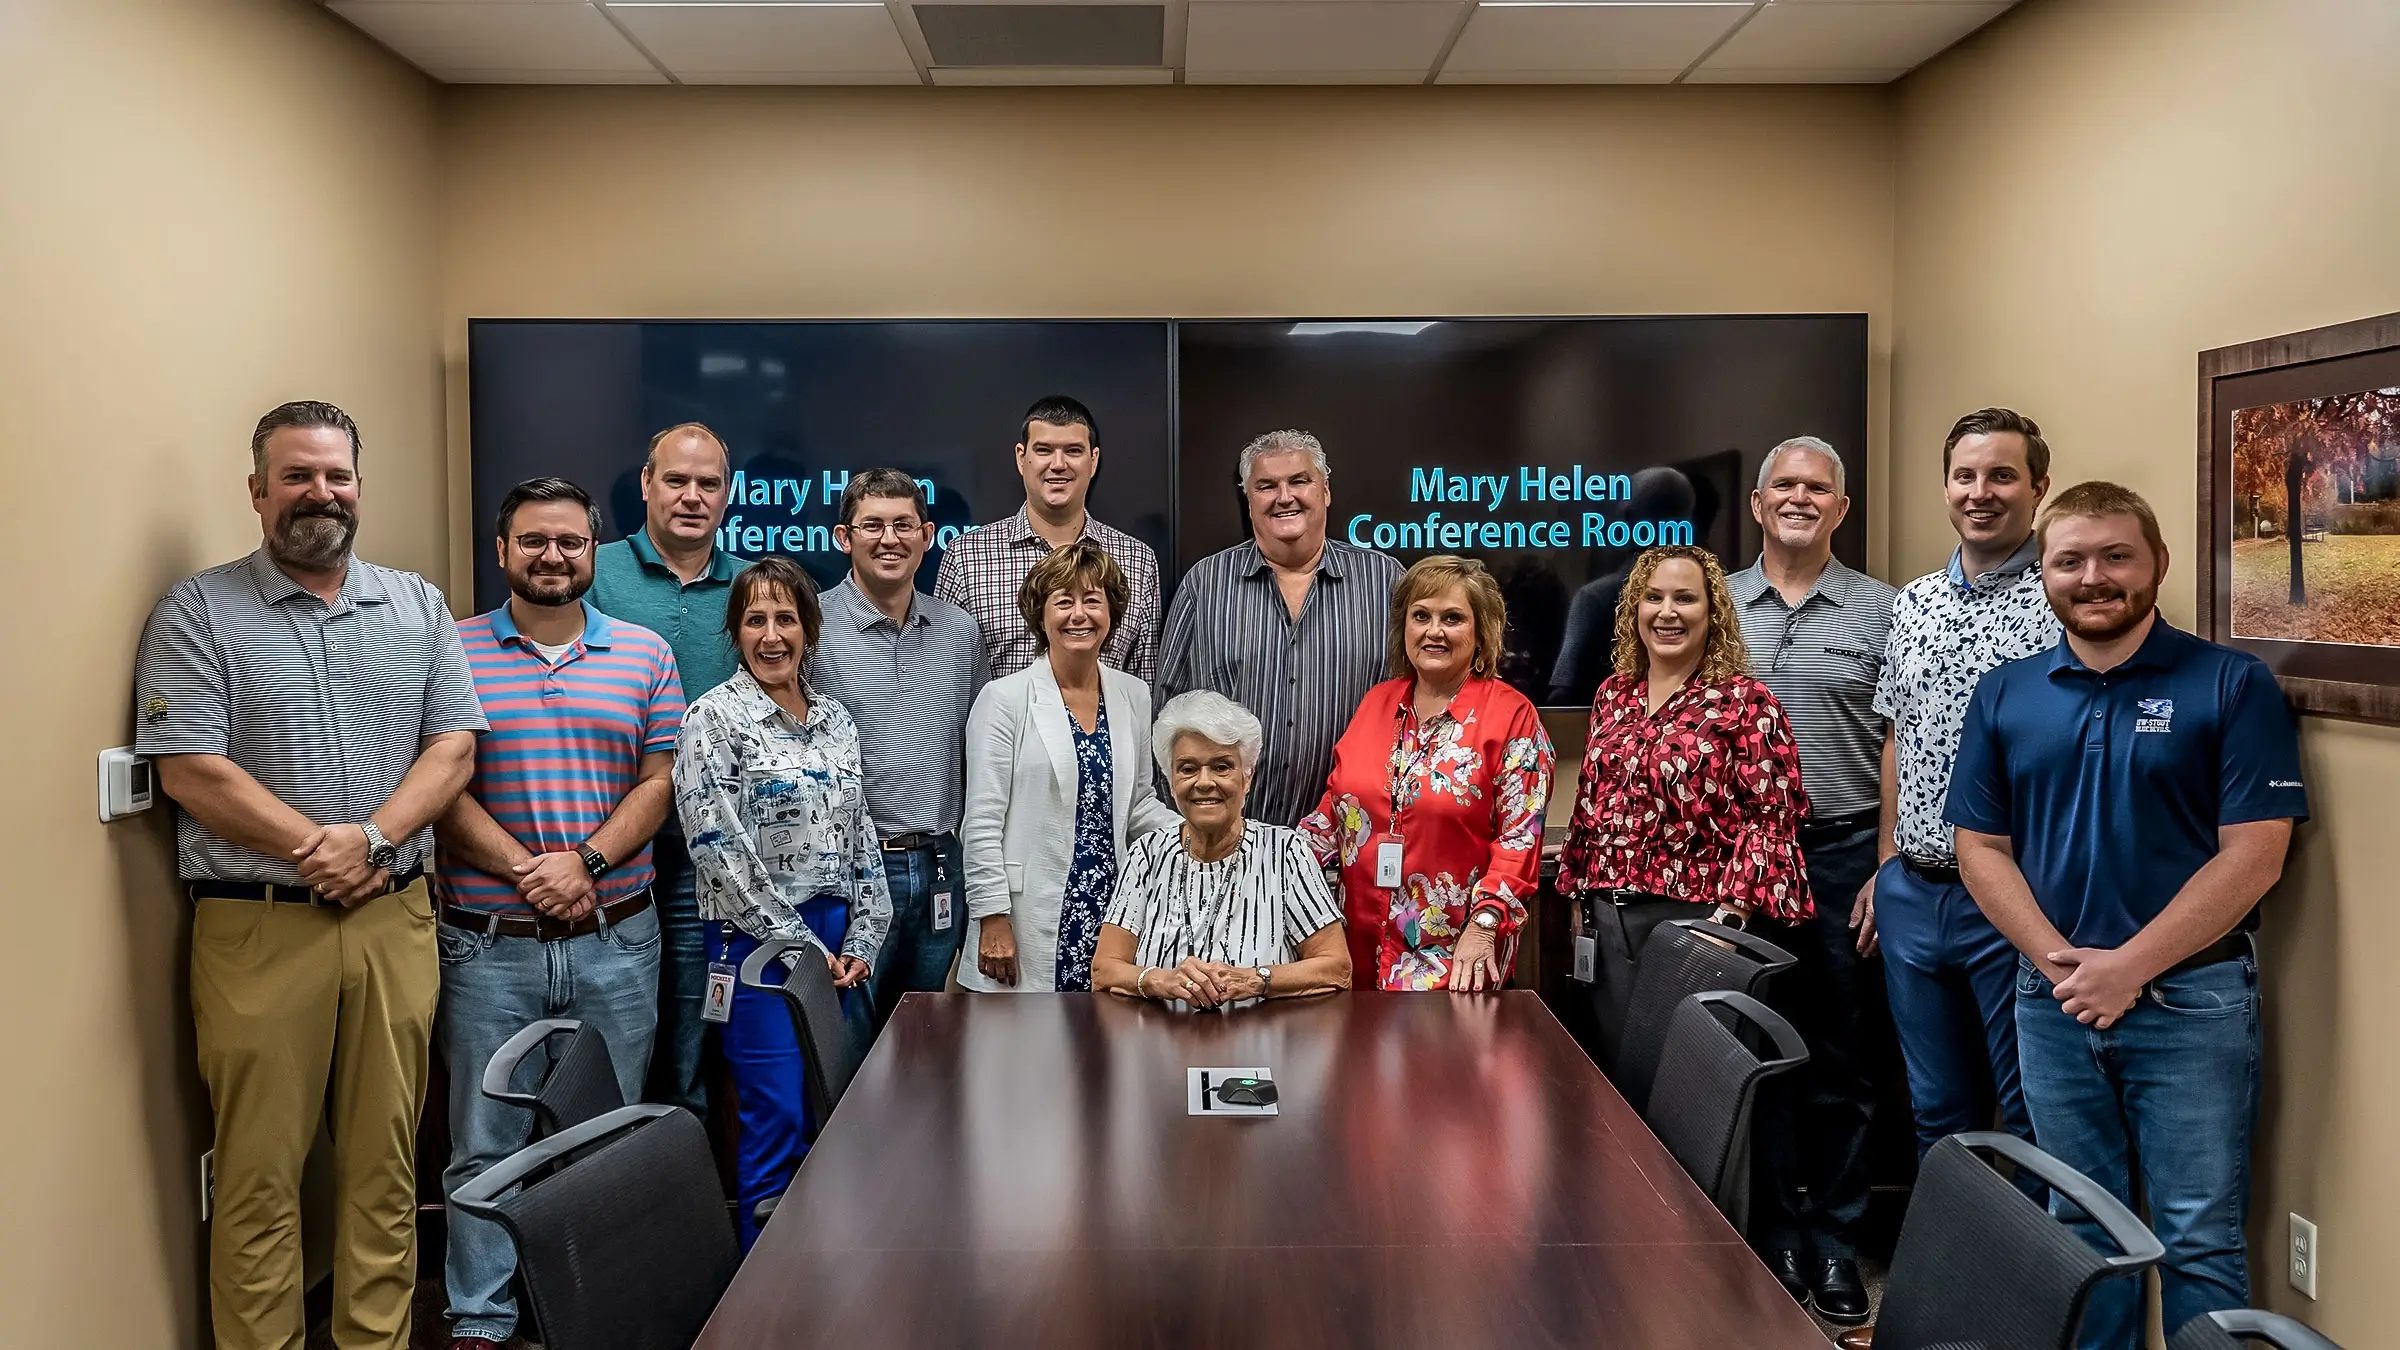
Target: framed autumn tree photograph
<point>2300,511</point>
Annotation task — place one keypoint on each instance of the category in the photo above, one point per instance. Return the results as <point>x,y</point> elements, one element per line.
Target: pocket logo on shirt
<point>2158,714</point>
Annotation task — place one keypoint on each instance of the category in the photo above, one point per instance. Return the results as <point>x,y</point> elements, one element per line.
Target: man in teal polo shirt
<point>671,578</point>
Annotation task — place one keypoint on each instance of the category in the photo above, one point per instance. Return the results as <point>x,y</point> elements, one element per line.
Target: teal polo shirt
<point>631,582</point>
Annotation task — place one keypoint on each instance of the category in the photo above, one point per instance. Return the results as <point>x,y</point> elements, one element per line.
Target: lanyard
<point>1404,763</point>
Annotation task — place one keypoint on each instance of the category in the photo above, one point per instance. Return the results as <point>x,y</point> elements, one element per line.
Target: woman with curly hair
<point>1689,803</point>
<point>1434,807</point>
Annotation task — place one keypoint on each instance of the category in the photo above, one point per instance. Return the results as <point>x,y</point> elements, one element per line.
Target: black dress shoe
<point>1786,1265</point>
<point>1841,1295</point>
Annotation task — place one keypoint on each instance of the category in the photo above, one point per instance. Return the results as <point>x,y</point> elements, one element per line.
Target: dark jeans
<point>682,979</point>
<point>2171,1093</point>
<point>916,956</point>
<point>1810,1191</point>
<point>1952,982</point>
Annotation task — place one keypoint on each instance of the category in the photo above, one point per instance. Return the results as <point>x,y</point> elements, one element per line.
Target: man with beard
<point>544,864</point>
<point>2122,802</point>
<point>1290,625</point>
<point>312,715</point>
<point>1816,631</point>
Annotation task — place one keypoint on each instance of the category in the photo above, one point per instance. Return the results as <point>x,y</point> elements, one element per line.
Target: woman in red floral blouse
<point>1689,803</point>
<point>1434,807</point>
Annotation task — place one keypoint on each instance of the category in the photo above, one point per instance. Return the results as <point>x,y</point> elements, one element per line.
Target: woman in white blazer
<point>1058,775</point>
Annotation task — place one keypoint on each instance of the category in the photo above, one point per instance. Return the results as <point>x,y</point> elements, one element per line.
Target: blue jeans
<point>2172,1089</point>
<point>682,979</point>
<point>1951,979</point>
<point>493,988</point>
<point>916,955</point>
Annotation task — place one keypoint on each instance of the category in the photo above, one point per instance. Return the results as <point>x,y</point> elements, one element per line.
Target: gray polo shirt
<point>1820,659</point>
<point>909,690</point>
<point>325,706</point>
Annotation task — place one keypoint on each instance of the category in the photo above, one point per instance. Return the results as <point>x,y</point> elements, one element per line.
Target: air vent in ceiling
<point>1044,35</point>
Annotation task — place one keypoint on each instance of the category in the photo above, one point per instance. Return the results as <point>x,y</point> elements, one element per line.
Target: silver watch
<point>1487,919</point>
<point>380,852</point>
<point>1266,976</point>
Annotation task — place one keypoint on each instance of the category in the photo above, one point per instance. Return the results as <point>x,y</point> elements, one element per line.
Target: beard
<point>2138,604</point>
<point>549,589</point>
<point>313,538</point>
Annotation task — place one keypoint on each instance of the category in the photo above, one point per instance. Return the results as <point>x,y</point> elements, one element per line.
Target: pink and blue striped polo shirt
<point>566,743</point>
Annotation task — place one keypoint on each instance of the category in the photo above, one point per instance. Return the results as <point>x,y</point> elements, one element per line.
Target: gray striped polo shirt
<point>325,706</point>
<point>909,693</point>
<point>1821,660</point>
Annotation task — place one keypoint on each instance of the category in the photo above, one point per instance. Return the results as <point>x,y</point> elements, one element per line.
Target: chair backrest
<point>1683,957</point>
<point>807,988</point>
<point>580,1085</point>
<point>1981,1264</point>
<point>621,1231</point>
<point>2240,1328</point>
<point>1708,1079</point>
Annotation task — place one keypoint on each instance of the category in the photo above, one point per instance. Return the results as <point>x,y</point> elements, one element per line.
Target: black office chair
<point>2238,1328</point>
<point>1708,1077</point>
<point>1980,1264</point>
<point>620,1227</point>
<point>1684,957</point>
<point>825,1050</point>
<point>581,1084</point>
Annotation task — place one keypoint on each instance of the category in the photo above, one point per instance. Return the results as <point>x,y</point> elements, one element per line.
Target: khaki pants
<point>306,1014</point>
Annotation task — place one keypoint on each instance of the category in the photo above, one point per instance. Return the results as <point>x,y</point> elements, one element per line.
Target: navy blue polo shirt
<point>2112,784</point>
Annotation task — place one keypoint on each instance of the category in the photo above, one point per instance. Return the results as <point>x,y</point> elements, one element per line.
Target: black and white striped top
<point>1253,907</point>
<point>1821,659</point>
<point>324,705</point>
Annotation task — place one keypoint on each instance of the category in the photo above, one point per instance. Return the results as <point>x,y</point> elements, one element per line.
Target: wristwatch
<point>594,861</point>
<point>380,851</point>
<point>1266,976</point>
<point>1487,919</point>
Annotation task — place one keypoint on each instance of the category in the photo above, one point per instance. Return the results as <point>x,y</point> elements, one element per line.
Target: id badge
<point>1587,959</point>
<point>1387,861</point>
<point>717,1005</point>
<point>941,911</point>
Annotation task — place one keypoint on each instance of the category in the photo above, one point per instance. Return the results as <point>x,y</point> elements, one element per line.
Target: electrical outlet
<point>208,1184</point>
<point>2305,1256</point>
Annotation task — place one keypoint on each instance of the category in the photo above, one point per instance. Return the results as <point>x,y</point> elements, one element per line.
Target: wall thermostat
<point>125,783</point>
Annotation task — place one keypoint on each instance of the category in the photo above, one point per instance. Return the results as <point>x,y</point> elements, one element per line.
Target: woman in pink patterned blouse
<point>1434,807</point>
<point>1689,803</point>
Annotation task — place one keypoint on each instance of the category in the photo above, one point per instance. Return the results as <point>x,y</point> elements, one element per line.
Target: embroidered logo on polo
<point>2158,714</point>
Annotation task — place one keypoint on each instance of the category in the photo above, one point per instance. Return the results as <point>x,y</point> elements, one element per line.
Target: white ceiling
<point>1206,42</point>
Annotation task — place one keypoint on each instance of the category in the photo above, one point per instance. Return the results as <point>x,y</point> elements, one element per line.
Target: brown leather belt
<point>541,927</point>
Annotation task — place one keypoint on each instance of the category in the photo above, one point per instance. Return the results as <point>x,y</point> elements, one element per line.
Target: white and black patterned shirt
<point>1822,660</point>
<point>983,570</point>
<point>325,705</point>
<point>1250,908</point>
<point>1946,632</point>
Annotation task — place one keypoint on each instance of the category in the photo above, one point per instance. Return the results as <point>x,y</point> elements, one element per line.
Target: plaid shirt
<point>985,567</point>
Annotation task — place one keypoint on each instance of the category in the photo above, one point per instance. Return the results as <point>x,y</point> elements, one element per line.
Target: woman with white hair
<point>1224,911</point>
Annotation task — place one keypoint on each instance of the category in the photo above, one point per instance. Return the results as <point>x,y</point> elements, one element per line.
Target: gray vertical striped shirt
<point>909,692</point>
<point>1230,631</point>
<point>1251,908</point>
<point>325,706</point>
<point>1821,660</point>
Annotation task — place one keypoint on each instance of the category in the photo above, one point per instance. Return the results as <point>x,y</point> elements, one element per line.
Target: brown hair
<point>775,574</point>
<point>1431,575</point>
<point>1724,657</point>
<point>2093,500</point>
<point>1077,566</point>
<point>1993,422</point>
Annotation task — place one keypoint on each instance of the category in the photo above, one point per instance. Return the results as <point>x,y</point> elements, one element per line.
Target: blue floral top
<point>1092,876</point>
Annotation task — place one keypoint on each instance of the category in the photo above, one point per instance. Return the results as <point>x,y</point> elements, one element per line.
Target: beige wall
<point>2092,192</point>
<point>211,206</point>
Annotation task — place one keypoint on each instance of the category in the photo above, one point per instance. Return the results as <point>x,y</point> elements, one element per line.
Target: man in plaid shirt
<point>982,571</point>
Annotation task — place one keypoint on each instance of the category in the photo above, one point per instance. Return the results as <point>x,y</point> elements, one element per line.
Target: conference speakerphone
<point>1230,1092</point>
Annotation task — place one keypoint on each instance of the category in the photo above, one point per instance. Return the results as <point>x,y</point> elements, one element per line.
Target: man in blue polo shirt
<point>2122,801</point>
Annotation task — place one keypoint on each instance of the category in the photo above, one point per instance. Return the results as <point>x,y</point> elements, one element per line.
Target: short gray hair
<point>1210,716</point>
<point>1814,445</point>
<point>1283,442</point>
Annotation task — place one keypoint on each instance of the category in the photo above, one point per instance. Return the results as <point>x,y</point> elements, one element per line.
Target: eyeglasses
<point>877,529</point>
<point>569,545</point>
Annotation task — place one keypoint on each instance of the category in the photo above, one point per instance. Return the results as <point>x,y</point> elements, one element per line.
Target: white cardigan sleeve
<point>992,732</point>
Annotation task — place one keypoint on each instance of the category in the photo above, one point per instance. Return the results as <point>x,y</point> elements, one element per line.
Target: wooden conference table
<point>1021,1171</point>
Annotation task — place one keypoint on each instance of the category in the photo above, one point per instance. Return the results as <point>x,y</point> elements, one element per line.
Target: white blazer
<point>1018,834</point>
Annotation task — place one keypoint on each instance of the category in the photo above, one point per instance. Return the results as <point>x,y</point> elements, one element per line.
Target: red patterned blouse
<point>1701,802</point>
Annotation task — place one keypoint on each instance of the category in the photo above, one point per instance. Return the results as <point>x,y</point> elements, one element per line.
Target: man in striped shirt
<point>544,862</point>
<point>1290,624</point>
<point>1816,631</point>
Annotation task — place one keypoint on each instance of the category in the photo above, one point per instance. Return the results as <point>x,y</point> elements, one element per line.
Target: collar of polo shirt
<point>2159,651</point>
<point>360,585</point>
<point>722,566</point>
<point>2027,557</point>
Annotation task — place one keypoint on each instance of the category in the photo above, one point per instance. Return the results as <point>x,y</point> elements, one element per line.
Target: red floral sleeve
<point>1520,802</point>
<point>1765,871</point>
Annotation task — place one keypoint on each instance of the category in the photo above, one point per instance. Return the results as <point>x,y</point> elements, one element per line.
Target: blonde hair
<point>1076,566</point>
<point>1431,575</point>
<point>1724,657</point>
<point>2094,501</point>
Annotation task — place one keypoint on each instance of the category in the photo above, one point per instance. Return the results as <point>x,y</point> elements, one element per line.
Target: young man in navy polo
<point>2122,801</point>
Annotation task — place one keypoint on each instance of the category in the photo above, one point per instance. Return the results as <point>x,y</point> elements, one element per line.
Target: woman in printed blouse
<point>1434,806</point>
<point>1689,803</point>
<point>773,802</point>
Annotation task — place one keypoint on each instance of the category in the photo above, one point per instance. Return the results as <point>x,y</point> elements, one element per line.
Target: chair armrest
<point>765,1209</point>
<point>2274,1328</point>
<point>481,1196</point>
<point>2138,1246</point>
<point>1791,1051</point>
<point>1766,953</point>
<point>754,966</point>
<point>502,1071</point>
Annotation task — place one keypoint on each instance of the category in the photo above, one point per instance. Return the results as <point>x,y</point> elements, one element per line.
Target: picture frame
<point>2305,428</point>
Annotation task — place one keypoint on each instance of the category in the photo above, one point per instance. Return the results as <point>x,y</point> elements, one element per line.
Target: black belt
<point>1931,873</point>
<point>1831,829</point>
<point>2226,948</point>
<point>541,927</point>
<point>915,840</point>
<point>1617,898</point>
<point>276,892</point>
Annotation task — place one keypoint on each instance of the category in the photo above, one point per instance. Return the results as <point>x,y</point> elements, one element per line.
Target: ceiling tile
<point>482,42</point>
<point>754,44</point>
<point>1570,43</point>
<point>1709,74</point>
<point>1315,41</point>
<point>1050,75</point>
<point>1850,34</point>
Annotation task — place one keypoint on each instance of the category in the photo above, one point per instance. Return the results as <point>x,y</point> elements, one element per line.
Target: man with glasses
<point>908,667</point>
<point>1816,631</point>
<point>543,864</point>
